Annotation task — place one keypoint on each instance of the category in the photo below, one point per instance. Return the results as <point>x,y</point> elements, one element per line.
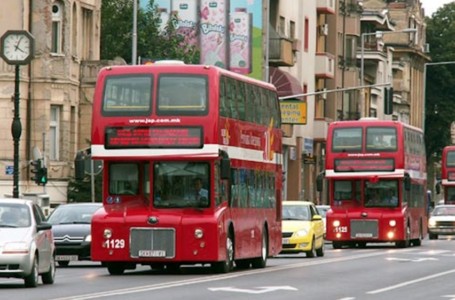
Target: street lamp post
<point>425,85</point>
<point>362,71</point>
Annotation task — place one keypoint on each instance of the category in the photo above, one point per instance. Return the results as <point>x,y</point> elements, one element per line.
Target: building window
<point>307,35</point>
<point>54,139</point>
<point>74,31</point>
<point>292,30</point>
<point>281,27</point>
<point>87,33</point>
<point>57,32</point>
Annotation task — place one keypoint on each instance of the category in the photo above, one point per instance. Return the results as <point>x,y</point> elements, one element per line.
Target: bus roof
<point>374,122</point>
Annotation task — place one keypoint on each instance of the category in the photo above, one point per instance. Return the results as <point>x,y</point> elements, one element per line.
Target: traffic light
<point>39,171</point>
<point>36,171</point>
<point>388,101</point>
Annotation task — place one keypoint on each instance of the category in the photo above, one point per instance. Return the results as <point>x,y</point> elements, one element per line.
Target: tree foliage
<point>440,81</point>
<point>117,37</point>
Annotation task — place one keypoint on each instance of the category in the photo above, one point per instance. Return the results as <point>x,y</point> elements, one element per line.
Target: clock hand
<point>18,43</point>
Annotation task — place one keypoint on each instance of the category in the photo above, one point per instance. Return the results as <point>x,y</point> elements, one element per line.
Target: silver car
<point>442,221</point>
<point>27,247</point>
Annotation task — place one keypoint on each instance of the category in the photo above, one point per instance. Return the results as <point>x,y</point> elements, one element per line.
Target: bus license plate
<point>285,241</point>
<point>364,235</point>
<point>152,253</point>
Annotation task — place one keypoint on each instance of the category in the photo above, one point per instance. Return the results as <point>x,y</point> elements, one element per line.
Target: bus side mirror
<point>407,182</point>
<point>438,189</point>
<point>319,181</point>
<point>225,168</point>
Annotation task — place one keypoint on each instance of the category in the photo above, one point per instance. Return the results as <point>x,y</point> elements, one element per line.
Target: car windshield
<point>296,212</point>
<point>14,215</point>
<point>444,211</point>
<point>73,214</point>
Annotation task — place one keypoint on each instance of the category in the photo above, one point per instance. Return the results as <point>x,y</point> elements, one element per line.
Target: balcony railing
<point>280,52</point>
<point>326,7</point>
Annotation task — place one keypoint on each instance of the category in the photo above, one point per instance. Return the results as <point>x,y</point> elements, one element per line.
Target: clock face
<point>17,47</point>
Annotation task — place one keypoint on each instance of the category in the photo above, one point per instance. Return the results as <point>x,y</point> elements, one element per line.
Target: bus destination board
<point>364,165</point>
<point>451,176</point>
<point>153,137</point>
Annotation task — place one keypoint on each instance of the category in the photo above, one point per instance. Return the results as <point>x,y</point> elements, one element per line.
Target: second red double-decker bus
<point>376,173</point>
<point>448,174</point>
<point>192,168</point>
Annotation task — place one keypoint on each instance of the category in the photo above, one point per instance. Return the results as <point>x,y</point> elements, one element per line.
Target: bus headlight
<point>107,233</point>
<point>432,222</point>
<point>392,223</point>
<point>198,233</point>
<point>336,223</point>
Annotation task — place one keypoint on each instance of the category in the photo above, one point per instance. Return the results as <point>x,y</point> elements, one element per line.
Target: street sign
<point>9,170</point>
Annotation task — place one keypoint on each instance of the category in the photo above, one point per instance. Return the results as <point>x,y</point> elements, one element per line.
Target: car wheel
<point>312,253</point>
<point>63,263</point>
<point>320,251</point>
<point>49,277</point>
<point>433,236</point>
<point>31,280</point>
<point>261,262</point>
<point>226,265</point>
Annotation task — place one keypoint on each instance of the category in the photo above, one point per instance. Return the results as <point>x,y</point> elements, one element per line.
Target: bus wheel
<point>312,252</point>
<point>337,245</point>
<point>227,265</point>
<point>261,262</point>
<point>406,242</point>
<point>115,268</point>
<point>242,264</point>
<point>418,241</point>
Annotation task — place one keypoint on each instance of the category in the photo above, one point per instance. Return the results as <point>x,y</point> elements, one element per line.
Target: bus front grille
<point>364,229</point>
<point>152,242</point>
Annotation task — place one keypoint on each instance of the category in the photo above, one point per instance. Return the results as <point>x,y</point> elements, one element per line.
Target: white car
<point>442,221</point>
<point>27,247</point>
<point>322,209</point>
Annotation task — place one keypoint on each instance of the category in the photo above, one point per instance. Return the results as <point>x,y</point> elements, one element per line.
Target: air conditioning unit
<point>426,48</point>
<point>296,44</point>
<point>324,29</point>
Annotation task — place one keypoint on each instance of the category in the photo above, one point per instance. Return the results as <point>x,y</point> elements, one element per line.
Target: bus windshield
<point>450,159</point>
<point>383,193</point>
<point>181,184</point>
<point>381,138</point>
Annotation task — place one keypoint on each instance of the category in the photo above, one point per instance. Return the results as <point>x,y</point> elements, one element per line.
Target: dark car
<point>71,228</point>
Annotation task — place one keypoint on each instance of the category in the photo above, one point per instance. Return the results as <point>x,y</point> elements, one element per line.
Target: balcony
<point>325,65</point>
<point>326,7</point>
<point>280,52</point>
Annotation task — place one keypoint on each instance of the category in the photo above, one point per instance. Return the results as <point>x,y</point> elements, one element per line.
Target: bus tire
<point>261,262</point>
<point>226,265</point>
<point>337,245</point>
<point>115,268</point>
<point>406,242</point>
<point>418,241</point>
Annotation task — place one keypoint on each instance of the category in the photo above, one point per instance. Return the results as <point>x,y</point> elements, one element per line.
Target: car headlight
<point>16,247</point>
<point>88,238</point>
<point>432,222</point>
<point>301,232</point>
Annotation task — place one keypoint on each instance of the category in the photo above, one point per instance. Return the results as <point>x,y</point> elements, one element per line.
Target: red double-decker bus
<point>377,179</point>
<point>192,168</point>
<point>448,174</point>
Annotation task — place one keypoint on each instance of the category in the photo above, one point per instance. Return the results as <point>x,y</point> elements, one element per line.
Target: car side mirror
<point>43,226</point>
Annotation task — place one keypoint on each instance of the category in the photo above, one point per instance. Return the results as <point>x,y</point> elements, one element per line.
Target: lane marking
<point>386,289</point>
<point>213,278</point>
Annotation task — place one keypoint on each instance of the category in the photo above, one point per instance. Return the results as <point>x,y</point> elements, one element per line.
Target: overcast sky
<point>432,6</point>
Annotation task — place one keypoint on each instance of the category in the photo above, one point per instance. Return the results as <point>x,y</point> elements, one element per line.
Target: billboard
<point>228,32</point>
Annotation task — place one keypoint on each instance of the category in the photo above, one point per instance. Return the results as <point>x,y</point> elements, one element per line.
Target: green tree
<point>440,82</point>
<point>116,34</point>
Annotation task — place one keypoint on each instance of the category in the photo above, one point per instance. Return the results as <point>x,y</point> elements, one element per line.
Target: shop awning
<point>285,83</point>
